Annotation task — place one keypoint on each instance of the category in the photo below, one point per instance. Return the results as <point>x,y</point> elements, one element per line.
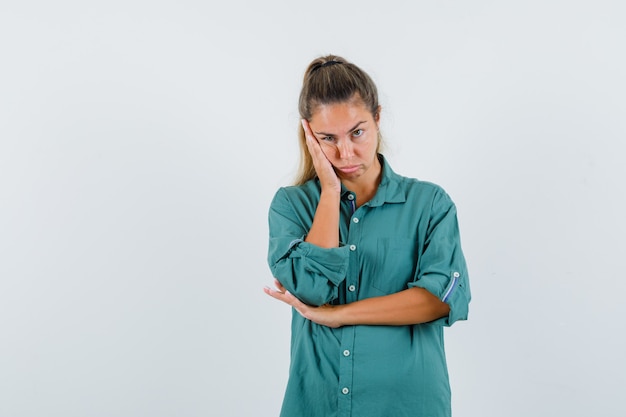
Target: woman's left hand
<point>326,315</point>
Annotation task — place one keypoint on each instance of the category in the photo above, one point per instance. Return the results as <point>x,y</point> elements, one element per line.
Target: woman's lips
<point>349,169</point>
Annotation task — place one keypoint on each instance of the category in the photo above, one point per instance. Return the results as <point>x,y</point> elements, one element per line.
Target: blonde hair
<point>327,80</point>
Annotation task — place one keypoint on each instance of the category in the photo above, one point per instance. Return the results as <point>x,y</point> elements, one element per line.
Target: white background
<point>141,143</point>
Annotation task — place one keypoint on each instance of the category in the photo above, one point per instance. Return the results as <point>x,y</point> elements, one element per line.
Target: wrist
<point>340,319</point>
<point>330,194</point>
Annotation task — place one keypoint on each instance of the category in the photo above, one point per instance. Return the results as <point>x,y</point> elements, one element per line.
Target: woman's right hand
<point>324,169</point>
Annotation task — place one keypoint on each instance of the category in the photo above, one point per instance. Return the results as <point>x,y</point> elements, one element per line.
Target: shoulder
<point>430,200</point>
<point>423,190</point>
<point>408,184</point>
<point>297,195</point>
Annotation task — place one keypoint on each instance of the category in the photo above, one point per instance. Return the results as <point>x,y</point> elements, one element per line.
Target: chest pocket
<point>392,265</point>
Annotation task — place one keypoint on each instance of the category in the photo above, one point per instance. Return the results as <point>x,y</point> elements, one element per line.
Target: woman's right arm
<point>310,272</point>
<point>309,263</point>
<point>324,231</point>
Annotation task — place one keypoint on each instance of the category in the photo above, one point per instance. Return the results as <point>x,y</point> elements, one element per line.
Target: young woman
<point>370,261</point>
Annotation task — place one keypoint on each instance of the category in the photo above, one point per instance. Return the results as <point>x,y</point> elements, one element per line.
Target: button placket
<point>346,366</point>
<point>353,235</point>
<point>346,371</point>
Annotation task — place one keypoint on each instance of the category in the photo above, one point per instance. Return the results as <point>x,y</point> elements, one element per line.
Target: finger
<point>280,293</point>
<point>313,144</point>
<point>274,293</point>
<point>286,297</point>
<point>297,305</point>
<point>308,135</point>
<point>311,140</point>
<point>307,128</point>
<point>278,285</point>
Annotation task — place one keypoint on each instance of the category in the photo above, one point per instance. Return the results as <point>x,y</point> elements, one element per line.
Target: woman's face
<point>348,135</point>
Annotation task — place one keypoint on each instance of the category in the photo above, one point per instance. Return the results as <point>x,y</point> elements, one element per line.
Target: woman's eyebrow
<point>349,130</point>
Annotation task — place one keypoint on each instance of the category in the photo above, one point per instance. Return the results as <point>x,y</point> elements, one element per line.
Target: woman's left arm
<point>412,306</point>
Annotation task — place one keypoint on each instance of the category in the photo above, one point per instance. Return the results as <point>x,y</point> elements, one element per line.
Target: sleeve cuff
<point>452,290</point>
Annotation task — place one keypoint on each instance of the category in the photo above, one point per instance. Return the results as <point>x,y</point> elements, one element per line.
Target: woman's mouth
<point>349,169</point>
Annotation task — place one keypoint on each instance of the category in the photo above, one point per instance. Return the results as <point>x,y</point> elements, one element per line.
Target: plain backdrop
<point>141,143</point>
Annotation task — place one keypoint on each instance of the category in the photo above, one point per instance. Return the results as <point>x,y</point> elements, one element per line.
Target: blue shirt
<point>406,236</point>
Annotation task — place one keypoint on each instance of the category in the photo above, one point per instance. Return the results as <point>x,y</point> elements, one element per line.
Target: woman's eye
<point>327,138</point>
<point>357,133</point>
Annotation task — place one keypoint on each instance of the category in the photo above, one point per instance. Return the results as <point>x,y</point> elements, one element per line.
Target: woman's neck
<point>365,187</point>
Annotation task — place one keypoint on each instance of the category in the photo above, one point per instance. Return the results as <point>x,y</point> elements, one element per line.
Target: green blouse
<point>406,236</point>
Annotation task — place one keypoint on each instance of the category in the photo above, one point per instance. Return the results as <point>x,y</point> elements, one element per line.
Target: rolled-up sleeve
<point>442,269</point>
<point>309,272</point>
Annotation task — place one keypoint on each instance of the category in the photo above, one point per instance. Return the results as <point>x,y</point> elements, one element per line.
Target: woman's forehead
<point>339,117</point>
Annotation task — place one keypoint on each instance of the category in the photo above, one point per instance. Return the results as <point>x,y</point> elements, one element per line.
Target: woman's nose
<point>346,150</point>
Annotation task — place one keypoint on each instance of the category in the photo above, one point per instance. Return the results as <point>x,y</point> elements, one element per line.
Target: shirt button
<point>355,220</point>
<point>345,390</point>
<point>351,288</point>
<point>353,247</point>
<point>350,197</point>
<point>346,352</point>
